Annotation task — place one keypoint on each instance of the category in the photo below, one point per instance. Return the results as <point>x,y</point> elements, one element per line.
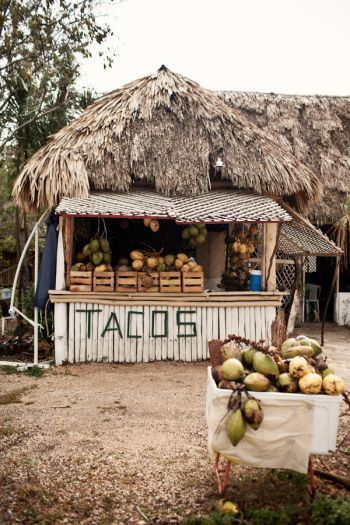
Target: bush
<point>330,511</point>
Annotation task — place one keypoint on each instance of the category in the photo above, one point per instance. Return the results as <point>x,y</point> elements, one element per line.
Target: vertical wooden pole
<point>68,245</point>
<point>269,259</point>
<point>61,309</point>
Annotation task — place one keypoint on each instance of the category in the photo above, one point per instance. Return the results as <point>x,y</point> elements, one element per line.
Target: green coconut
<point>97,258</point>
<point>94,245</point>
<point>107,258</point>
<point>248,355</point>
<point>257,382</point>
<point>185,234</point>
<point>105,245</point>
<point>264,364</point>
<point>194,231</point>
<point>232,369</point>
<point>86,250</point>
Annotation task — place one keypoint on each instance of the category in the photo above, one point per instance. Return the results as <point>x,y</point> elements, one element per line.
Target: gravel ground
<point>120,444</point>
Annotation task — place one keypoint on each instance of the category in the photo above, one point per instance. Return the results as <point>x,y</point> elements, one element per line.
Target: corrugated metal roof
<point>213,207</point>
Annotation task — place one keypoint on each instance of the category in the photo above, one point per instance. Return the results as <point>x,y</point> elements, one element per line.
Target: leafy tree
<point>41,43</point>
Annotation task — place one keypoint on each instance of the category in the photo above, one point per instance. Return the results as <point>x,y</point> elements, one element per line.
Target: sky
<point>281,46</point>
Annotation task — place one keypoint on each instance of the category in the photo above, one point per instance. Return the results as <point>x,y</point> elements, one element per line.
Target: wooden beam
<point>269,259</point>
<point>68,244</point>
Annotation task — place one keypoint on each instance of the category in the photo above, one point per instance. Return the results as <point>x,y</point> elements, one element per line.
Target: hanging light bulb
<point>219,164</point>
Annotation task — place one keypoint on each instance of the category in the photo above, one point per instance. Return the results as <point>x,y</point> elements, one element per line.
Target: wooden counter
<point>137,327</point>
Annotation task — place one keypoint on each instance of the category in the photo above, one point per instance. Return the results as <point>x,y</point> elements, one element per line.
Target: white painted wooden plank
<point>139,333</point>
<point>152,340</point>
<point>216,332</point>
<point>95,323</point>
<point>120,339</point>
<point>165,326</point>
<point>171,335</point>
<point>198,342</point>
<point>110,338</point>
<point>131,325</point>
<point>252,323</point>
<point>71,332</point>
<point>175,335</point>
<point>182,340</point>
<point>235,326</point>
<point>209,324</point>
<point>222,323</point>
<point>204,338</point>
<point>229,320</point>
<point>146,335</point>
<point>258,330</point>
<point>241,331</point>
<point>81,319</point>
<point>246,321</point>
<point>103,345</point>
<point>159,329</point>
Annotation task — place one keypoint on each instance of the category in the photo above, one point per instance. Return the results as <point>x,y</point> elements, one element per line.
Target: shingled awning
<point>212,207</point>
<point>300,237</point>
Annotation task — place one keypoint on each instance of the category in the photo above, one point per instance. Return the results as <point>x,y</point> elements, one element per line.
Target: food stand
<point>126,323</point>
<point>163,149</point>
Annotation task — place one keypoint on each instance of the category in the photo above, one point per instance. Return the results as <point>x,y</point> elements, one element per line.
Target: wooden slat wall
<point>216,322</point>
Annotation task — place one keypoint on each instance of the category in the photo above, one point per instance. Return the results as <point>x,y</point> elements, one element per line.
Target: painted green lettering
<point>115,328</point>
<point>165,323</point>
<point>88,317</point>
<point>179,323</point>
<point>130,314</point>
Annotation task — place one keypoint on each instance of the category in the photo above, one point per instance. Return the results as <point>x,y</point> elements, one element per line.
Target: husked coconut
<point>299,367</point>
<point>333,385</point>
<point>310,384</point>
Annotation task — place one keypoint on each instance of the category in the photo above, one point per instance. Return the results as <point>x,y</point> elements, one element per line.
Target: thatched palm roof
<point>164,129</point>
<point>316,129</point>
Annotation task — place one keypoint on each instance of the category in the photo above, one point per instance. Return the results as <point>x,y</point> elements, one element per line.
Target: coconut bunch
<point>249,366</point>
<point>195,234</point>
<point>151,261</point>
<point>95,256</point>
<point>152,224</point>
<point>241,247</point>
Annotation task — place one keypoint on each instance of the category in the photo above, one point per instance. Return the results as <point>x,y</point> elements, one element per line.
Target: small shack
<point>167,169</point>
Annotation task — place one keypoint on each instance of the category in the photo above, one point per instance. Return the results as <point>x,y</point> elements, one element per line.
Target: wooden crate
<point>142,288</point>
<point>170,282</point>
<point>192,282</point>
<point>126,282</point>
<point>80,281</point>
<point>103,282</point>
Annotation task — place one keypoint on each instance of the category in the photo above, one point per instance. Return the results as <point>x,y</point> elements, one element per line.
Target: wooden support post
<point>68,244</point>
<point>269,259</point>
<point>61,309</point>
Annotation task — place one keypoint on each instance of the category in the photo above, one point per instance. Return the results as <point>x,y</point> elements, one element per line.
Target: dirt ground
<point>126,444</point>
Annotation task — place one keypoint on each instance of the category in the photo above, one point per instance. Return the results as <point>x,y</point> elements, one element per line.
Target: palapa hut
<point>316,129</point>
<point>166,149</point>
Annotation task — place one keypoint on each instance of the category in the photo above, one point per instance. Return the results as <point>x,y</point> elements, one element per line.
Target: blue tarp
<point>47,271</point>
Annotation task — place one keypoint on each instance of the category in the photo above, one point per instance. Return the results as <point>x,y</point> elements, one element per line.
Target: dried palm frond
<point>340,233</point>
<point>162,129</point>
<point>316,129</point>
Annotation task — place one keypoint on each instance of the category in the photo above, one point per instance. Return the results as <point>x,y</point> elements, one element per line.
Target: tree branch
<point>33,119</point>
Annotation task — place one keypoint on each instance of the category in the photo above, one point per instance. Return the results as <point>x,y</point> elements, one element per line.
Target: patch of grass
<point>15,396</point>
<point>323,510</point>
<point>8,369</point>
<point>330,511</point>
<point>7,431</point>
<point>34,371</point>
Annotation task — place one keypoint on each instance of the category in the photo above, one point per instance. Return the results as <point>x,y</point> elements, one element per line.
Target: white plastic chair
<point>312,301</point>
